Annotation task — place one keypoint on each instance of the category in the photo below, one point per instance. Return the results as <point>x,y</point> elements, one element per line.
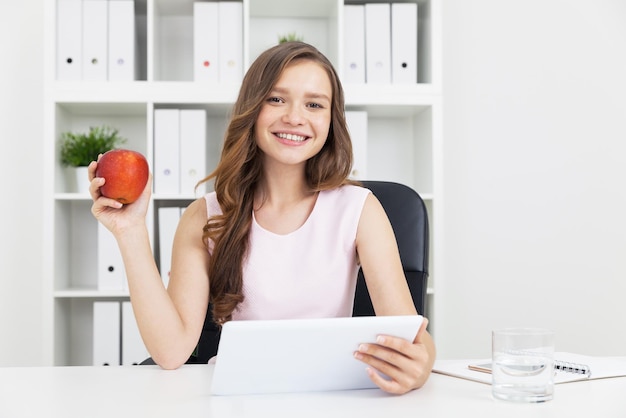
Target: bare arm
<point>408,363</point>
<point>170,321</point>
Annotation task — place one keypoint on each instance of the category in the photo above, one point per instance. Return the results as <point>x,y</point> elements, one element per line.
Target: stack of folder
<point>380,43</point>
<point>116,339</point>
<point>179,151</point>
<point>96,40</point>
<point>218,41</point>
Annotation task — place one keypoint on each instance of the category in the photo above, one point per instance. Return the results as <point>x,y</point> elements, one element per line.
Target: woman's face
<point>294,120</point>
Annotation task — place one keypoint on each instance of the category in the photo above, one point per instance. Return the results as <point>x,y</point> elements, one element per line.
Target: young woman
<point>284,233</point>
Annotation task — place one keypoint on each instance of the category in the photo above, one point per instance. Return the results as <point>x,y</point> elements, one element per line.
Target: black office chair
<point>409,219</point>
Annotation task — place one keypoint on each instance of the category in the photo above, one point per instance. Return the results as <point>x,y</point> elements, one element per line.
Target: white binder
<point>133,349</point>
<point>357,126</point>
<point>378,43</point>
<point>192,151</point>
<point>95,29</point>
<point>354,44</point>
<point>106,333</point>
<point>166,151</point>
<point>69,33</point>
<point>111,273</point>
<point>230,41</point>
<point>404,43</point>
<point>168,222</point>
<point>121,33</point>
<point>205,43</point>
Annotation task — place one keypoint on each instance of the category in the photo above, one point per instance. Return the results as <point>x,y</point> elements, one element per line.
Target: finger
<point>386,361</point>
<point>406,376</point>
<point>390,354</point>
<point>91,170</point>
<point>102,204</point>
<point>389,386</point>
<point>396,357</point>
<point>94,187</point>
<point>395,345</point>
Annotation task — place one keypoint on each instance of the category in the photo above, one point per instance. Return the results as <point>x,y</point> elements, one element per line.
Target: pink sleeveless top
<point>308,273</point>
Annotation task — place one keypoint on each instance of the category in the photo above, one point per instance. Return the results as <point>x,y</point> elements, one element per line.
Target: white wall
<point>535,173</point>
<point>21,120</point>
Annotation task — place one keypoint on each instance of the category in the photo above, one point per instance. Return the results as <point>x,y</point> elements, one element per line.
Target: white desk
<point>148,391</point>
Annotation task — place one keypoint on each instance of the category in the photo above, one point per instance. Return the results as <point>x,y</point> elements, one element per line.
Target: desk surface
<point>148,391</point>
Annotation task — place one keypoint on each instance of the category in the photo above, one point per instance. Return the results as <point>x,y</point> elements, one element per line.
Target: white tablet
<point>300,355</point>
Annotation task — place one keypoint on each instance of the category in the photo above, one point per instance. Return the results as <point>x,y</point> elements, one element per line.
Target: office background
<point>534,169</point>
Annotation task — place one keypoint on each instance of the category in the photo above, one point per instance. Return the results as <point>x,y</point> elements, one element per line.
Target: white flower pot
<point>78,179</point>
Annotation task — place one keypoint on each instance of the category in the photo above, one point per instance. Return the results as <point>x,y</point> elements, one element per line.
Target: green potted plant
<point>290,37</point>
<point>78,149</point>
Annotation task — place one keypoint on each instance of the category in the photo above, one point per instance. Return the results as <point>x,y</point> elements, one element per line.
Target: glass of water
<point>523,364</point>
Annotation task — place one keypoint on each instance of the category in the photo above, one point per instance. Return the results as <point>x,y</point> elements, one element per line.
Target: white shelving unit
<point>404,134</point>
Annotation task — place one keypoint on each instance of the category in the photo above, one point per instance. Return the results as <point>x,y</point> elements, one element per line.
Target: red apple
<point>125,172</point>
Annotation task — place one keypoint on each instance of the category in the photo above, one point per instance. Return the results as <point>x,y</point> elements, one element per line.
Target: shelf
<point>403,141</point>
<point>176,198</point>
<point>72,196</point>
<point>138,93</point>
<point>83,293</point>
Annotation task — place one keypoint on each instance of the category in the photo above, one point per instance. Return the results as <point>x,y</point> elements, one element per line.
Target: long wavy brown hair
<point>240,168</point>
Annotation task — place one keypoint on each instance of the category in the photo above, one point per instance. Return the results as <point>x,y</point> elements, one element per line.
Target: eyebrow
<point>309,95</point>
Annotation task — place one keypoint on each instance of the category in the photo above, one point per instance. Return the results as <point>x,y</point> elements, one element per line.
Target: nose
<point>293,115</point>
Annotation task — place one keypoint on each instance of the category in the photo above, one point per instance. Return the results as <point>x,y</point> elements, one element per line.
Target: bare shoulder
<point>197,208</point>
<point>373,214</point>
<point>194,217</point>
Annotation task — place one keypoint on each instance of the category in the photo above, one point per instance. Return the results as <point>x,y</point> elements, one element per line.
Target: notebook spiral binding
<point>568,367</point>
<point>559,365</point>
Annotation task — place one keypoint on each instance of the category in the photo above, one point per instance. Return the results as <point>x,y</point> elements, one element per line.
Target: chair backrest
<point>409,219</point>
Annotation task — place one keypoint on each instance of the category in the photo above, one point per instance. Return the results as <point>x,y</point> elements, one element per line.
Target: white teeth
<point>290,137</point>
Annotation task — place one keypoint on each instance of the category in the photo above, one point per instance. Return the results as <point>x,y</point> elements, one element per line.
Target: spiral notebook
<point>569,367</point>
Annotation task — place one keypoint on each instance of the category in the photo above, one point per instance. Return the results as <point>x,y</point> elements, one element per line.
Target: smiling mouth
<point>292,137</point>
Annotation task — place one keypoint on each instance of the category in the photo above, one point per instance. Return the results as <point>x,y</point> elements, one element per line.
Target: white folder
<point>69,43</point>
<point>205,42</point>
<point>192,151</point>
<point>168,222</point>
<point>404,43</point>
<point>121,40</point>
<point>133,349</point>
<point>354,44</point>
<point>106,333</point>
<point>230,41</point>
<point>111,273</point>
<point>357,126</point>
<point>378,43</point>
<point>166,151</point>
<point>95,50</point>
